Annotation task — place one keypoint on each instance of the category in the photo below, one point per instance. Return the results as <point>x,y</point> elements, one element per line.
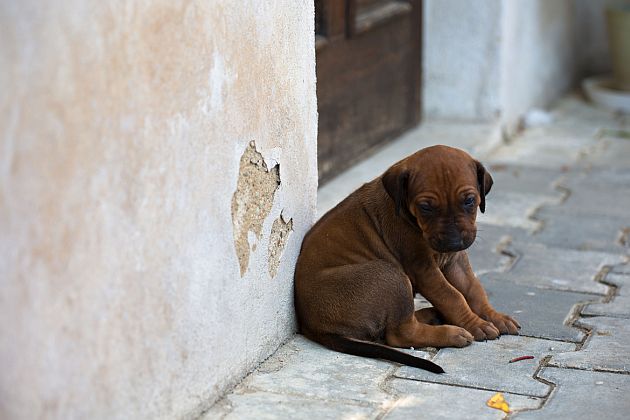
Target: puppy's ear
<point>396,181</point>
<point>484,184</point>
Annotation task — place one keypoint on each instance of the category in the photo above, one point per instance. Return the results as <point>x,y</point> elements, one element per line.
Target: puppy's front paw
<point>456,336</point>
<point>483,330</point>
<point>504,323</point>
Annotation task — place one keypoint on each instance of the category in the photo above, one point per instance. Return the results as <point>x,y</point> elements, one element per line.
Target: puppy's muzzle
<point>452,240</point>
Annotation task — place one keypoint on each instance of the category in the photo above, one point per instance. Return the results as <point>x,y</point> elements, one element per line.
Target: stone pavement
<point>552,250</point>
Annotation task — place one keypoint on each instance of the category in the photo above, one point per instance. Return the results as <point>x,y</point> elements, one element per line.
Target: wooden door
<point>368,76</point>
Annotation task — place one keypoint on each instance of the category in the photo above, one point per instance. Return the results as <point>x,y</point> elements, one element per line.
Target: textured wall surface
<point>122,127</point>
<point>461,60</point>
<point>538,56</point>
<point>492,60</point>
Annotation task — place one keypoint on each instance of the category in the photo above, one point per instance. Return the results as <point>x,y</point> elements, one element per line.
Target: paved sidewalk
<point>552,250</point>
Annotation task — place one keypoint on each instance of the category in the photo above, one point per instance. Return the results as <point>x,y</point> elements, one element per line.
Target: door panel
<point>368,76</point>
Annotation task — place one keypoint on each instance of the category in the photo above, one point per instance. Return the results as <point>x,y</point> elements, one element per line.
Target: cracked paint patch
<point>252,200</point>
<point>280,232</point>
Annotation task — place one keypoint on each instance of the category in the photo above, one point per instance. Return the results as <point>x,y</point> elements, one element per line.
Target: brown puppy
<point>403,233</point>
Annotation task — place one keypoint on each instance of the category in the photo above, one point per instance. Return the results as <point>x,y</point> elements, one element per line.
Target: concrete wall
<point>538,53</point>
<point>494,60</point>
<point>461,60</point>
<point>157,174</point>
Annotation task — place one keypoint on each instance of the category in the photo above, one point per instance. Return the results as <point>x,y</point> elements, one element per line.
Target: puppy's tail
<point>375,351</point>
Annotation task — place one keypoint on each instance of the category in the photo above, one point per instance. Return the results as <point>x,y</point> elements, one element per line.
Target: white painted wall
<point>494,60</point>
<point>538,56</point>
<point>461,60</point>
<point>121,129</point>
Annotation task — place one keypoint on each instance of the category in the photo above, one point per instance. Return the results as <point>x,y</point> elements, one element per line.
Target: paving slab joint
<point>600,277</point>
<point>505,248</point>
<point>383,385</point>
<point>576,312</point>
<point>544,362</point>
<point>623,238</point>
<point>222,400</point>
<point>565,192</point>
<point>574,318</point>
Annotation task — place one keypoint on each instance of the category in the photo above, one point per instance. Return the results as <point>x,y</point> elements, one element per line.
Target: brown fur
<point>362,262</point>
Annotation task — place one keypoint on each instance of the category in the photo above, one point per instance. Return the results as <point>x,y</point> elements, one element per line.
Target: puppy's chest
<point>444,259</point>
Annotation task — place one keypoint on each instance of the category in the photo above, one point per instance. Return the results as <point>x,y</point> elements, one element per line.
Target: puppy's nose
<point>456,242</point>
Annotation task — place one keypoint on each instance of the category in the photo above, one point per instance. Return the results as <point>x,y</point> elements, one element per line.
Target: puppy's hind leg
<point>413,333</point>
<point>406,328</point>
<point>429,316</point>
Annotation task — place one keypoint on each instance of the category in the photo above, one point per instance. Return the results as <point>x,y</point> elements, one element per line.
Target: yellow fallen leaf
<point>497,401</point>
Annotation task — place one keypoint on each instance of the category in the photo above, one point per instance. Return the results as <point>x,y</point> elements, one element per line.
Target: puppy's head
<point>439,189</point>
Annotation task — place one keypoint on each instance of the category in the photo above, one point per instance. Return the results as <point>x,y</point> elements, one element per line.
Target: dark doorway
<point>368,76</point>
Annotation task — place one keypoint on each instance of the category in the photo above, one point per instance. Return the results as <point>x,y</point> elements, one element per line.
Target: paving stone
<point>485,258</point>
<point>542,313</point>
<point>606,349</point>
<point>556,268</point>
<point>525,179</point>
<point>599,193</point>
<point>484,365</point>
<point>587,178</point>
<point>584,395</point>
<point>434,401</point>
<point>263,405</point>
<point>619,306</point>
<point>597,204</point>
<point>304,368</point>
<point>545,146</point>
<point>572,110</point>
<point>621,269</point>
<point>485,253</point>
<point>497,234</point>
<point>514,209</point>
<point>613,152</point>
<point>564,229</point>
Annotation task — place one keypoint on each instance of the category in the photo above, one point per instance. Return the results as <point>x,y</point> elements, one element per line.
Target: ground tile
<point>621,269</point>
<point>606,349</point>
<point>599,193</point>
<point>526,180</point>
<point>484,365</point>
<point>514,209</point>
<point>304,368</point>
<point>612,152</point>
<point>556,268</point>
<point>572,110</point>
<point>485,253</point>
<point>485,258</point>
<point>544,146</point>
<point>562,228</point>
<point>584,395</point>
<point>619,306</point>
<point>263,405</point>
<point>542,313</point>
<point>435,401</point>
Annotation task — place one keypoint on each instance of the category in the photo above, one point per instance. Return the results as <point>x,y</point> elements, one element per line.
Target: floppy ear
<point>396,181</point>
<point>484,184</point>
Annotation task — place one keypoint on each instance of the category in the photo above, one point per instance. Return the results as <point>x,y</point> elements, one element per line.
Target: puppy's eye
<point>425,207</point>
<point>469,202</point>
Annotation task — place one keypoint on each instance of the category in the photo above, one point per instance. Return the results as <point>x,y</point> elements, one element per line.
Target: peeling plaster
<point>280,232</point>
<point>252,201</point>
